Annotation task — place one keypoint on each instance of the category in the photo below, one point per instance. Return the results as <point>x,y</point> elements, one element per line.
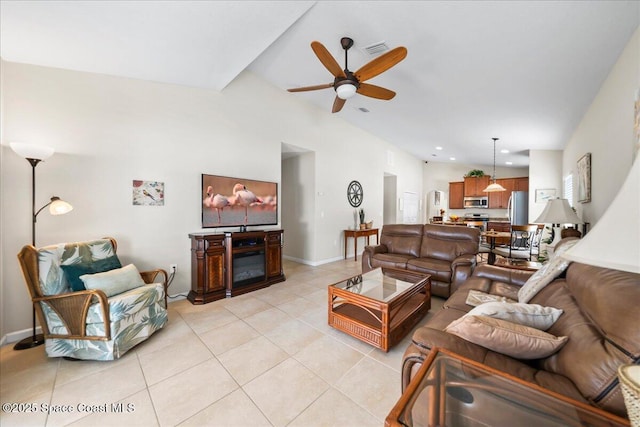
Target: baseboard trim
<point>312,263</point>
<point>18,335</point>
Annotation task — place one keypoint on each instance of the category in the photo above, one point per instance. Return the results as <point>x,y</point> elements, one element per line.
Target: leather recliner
<point>447,253</point>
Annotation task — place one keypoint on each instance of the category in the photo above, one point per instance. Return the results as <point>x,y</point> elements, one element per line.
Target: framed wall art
<point>148,193</point>
<point>584,178</point>
<point>544,194</point>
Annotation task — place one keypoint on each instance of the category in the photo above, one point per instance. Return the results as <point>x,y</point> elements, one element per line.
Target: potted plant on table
<point>362,223</point>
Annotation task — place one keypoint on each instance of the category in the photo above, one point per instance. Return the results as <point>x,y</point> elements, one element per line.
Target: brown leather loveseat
<point>601,319</point>
<point>447,253</point>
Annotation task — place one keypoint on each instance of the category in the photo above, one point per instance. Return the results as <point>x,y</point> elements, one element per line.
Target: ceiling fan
<point>347,83</point>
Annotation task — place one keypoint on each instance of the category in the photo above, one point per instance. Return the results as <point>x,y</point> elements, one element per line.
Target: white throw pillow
<point>114,282</point>
<point>532,315</point>
<point>475,298</point>
<point>546,274</point>
<point>521,342</point>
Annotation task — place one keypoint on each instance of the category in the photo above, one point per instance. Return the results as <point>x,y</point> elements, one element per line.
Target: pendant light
<point>494,187</point>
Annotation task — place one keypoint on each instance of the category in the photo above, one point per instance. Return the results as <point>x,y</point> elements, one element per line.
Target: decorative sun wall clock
<point>354,194</point>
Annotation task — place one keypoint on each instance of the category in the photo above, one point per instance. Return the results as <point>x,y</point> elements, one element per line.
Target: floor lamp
<point>34,155</point>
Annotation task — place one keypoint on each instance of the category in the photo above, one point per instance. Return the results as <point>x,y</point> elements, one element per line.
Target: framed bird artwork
<point>148,193</point>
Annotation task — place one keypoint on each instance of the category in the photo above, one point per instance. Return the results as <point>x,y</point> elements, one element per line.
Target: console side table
<point>368,232</point>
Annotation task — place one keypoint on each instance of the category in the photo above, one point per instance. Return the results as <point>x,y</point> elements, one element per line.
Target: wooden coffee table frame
<point>379,323</point>
<point>434,380</point>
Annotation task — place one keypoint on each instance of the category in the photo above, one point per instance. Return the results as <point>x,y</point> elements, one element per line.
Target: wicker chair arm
<point>72,309</point>
<point>150,277</point>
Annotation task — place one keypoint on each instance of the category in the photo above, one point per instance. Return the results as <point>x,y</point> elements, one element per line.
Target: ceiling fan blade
<point>381,64</point>
<point>327,60</point>
<point>374,91</point>
<point>338,103</point>
<point>306,88</point>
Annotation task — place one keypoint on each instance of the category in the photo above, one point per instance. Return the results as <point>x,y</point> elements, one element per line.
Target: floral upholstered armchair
<point>89,306</point>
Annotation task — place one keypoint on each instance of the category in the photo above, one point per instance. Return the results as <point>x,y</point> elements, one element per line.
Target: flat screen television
<point>232,202</point>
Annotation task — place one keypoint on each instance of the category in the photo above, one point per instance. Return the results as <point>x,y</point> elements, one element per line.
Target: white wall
<point>606,131</point>
<point>108,131</point>
<point>545,172</point>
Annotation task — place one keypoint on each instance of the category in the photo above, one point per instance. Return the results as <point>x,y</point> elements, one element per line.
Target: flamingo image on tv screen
<point>230,202</point>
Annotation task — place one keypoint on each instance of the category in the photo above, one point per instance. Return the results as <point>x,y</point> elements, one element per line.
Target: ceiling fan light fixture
<point>346,90</point>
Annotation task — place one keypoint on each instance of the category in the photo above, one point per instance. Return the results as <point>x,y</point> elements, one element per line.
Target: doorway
<point>297,202</point>
<point>389,211</point>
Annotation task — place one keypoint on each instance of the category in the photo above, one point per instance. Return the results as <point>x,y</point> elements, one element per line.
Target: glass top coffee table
<point>381,306</point>
<point>451,390</point>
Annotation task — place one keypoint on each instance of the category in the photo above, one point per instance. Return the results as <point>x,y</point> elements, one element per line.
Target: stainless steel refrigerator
<point>518,208</point>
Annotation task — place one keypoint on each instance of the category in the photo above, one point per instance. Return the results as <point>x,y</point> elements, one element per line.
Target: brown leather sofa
<point>601,319</point>
<point>447,253</point>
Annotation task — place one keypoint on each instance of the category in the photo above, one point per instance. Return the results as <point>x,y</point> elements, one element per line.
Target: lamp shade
<point>613,243</point>
<point>59,207</point>
<point>558,211</point>
<point>491,188</point>
<point>32,151</point>
<point>346,90</point>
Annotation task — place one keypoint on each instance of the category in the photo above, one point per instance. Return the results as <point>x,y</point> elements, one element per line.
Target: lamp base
<point>29,342</point>
<point>557,235</point>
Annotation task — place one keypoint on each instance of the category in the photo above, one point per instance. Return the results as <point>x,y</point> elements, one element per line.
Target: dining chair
<point>521,244</point>
<point>537,238</point>
<point>484,247</point>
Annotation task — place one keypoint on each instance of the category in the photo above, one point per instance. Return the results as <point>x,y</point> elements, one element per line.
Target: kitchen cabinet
<point>522,184</point>
<point>500,199</point>
<point>474,186</point>
<point>456,195</point>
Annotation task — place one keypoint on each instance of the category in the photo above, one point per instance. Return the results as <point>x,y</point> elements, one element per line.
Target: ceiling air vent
<point>376,48</point>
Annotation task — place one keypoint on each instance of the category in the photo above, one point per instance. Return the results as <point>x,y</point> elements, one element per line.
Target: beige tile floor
<point>267,358</point>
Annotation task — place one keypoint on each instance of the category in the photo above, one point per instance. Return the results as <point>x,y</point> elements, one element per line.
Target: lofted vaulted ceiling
<point>523,71</point>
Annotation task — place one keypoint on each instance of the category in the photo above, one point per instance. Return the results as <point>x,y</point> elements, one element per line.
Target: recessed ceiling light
<point>508,163</point>
<point>434,155</point>
<point>452,158</point>
<point>438,148</point>
<point>504,151</point>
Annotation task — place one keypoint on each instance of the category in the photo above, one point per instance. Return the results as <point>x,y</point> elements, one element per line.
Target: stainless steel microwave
<point>476,202</point>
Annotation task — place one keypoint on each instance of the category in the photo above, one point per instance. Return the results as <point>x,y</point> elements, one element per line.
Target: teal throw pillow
<point>74,271</point>
<point>114,282</point>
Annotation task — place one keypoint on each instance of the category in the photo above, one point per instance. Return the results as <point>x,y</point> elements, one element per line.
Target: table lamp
<point>557,212</point>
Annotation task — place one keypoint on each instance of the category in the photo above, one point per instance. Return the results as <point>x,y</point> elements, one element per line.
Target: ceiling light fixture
<point>346,90</point>
<point>494,187</point>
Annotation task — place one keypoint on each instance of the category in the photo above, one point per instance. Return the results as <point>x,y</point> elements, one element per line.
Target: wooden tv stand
<point>224,265</point>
